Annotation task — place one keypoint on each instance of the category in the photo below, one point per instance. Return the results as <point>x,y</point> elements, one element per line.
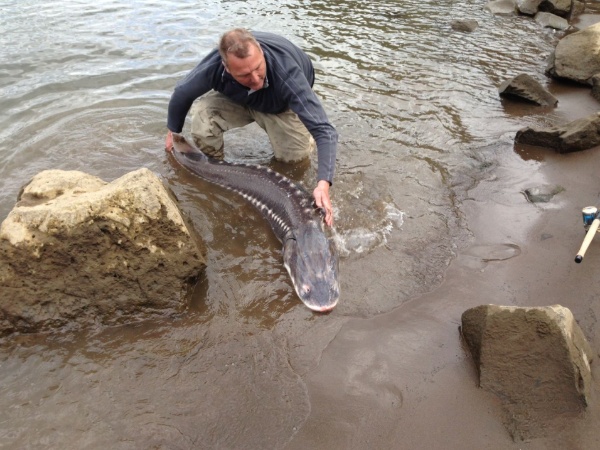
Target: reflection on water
<point>85,86</point>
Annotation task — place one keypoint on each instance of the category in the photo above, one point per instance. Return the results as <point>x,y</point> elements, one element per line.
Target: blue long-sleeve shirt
<point>290,76</point>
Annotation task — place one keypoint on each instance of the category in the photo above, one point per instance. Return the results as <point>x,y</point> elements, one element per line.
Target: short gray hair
<point>236,42</point>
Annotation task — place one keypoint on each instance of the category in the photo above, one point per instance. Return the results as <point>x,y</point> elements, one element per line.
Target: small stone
<point>464,25</point>
<point>542,194</point>
<point>525,87</point>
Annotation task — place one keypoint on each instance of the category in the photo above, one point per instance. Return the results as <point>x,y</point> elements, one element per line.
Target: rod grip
<point>587,240</point>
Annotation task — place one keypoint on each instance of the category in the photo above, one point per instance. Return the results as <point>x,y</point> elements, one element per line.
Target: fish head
<point>312,262</point>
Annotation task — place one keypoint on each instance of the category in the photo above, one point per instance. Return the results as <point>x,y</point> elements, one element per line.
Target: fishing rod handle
<point>587,240</point>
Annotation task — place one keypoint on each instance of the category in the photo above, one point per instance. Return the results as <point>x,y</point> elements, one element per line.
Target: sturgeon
<point>308,255</point>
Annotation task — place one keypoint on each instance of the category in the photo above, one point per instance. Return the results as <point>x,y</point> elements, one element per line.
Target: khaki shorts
<point>213,114</point>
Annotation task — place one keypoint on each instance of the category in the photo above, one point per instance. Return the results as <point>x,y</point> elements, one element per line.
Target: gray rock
<point>576,57</point>
<point>527,88</point>
<point>76,250</point>
<point>596,86</point>
<point>536,360</point>
<point>560,8</point>
<point>542,194</point>
<point>528,7</point>
<point>549,20</point>
<point>502,7</point>
<point>578,135</point>
<point>577,9</point>
<point>464,25</point>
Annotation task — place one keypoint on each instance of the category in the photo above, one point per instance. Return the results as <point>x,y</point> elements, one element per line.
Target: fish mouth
<point>321,308</point>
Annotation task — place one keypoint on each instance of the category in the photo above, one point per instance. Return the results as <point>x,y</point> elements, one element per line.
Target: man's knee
<point>206,119</point>
<point>212,115</point>
<point>216,152</point>
<point>295,149</point>
<point>290,139</point>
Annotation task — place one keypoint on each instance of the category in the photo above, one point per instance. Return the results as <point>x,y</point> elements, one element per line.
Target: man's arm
<point>197,83</point>
<point>304,102</point>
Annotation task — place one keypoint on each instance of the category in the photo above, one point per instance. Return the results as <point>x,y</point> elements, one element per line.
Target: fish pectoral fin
<point>181,144</point>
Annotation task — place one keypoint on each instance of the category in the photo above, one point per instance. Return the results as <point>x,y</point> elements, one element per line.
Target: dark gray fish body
<point>308,255</point>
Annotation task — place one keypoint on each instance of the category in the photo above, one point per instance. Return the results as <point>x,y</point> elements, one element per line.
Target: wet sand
<point>408,383</point>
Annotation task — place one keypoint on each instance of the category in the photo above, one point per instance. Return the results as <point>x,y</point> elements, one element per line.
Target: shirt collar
<point>265,85</point>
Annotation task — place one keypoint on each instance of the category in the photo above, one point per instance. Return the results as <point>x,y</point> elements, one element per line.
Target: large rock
<point>77,250</point>
<point>527,88</point>
<point>578,135</point>
<point>550,20</point>
<point>562,8</point>
<point>536,360</point>
<point>529,7</point>
<point>577,56</point>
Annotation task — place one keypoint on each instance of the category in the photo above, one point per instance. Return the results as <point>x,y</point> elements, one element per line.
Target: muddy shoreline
<point>417,346</point>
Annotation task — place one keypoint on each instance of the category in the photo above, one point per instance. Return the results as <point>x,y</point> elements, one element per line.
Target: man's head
<point>243,58</point>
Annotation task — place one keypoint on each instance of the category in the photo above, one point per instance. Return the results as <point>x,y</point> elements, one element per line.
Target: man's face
<point>250,71</point>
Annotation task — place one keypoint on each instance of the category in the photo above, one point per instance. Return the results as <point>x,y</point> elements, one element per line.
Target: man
<point>264,78</point>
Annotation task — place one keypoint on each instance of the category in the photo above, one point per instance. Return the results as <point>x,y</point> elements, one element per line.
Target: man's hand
<point>322,200</point>
<point>169,141</point>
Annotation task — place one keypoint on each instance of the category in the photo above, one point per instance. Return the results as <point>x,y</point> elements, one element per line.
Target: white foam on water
<point>362,240</point>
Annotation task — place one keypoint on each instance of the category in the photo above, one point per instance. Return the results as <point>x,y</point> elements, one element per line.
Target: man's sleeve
<point>304,102</point>
<point>198,82</point>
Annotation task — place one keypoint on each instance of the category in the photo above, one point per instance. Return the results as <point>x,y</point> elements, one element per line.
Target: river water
<point>85,86</point>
